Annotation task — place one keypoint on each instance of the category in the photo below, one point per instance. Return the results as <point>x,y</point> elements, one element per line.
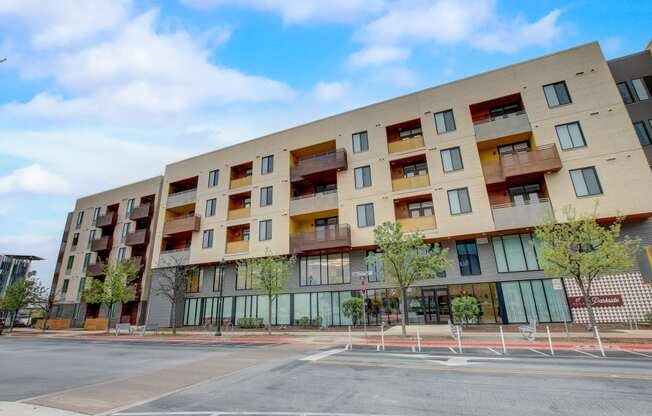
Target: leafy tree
<point>583,250</point>
<point>352,308</point>
<point>465,308</point>
<point>173,283</point>
<point>406,259</point>
<point>21,294</point>
<point>268,275</point>
<point>117,287</point>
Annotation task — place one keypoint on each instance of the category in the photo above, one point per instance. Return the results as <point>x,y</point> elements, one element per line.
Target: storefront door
<point>436,303</point>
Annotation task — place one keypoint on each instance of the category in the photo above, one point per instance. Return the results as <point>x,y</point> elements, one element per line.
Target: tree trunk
<point>45,321</point>
<point>12,321</point>
<point>403,310</point>
<point>174,318</point>
<point>108,323</point>
<point>589,309</point>
<point>269,316</point>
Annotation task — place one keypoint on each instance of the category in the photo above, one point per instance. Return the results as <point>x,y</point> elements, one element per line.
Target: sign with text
<point>597,301</point>
<point>557,284</point>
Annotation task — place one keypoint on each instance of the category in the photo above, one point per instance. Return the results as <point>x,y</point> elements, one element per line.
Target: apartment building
<point>110,226</point>
<point>473,165</point>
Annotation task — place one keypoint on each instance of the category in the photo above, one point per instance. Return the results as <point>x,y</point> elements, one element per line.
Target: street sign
<point>363,285</point>
<point>557,284</point>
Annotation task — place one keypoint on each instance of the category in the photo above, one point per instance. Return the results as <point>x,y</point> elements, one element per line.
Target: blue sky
<point>98,94</point>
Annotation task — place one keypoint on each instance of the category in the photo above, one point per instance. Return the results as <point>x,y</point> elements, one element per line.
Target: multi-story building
<point>111,226</point>
<point>473,165</point>
<point>13,269</point>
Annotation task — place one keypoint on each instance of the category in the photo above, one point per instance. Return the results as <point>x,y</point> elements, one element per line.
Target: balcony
<point>240,182</point>
<point>321,201</point>
<point>410,225</point>
<point>141,212</point>
<point>106,220</point>
<point>184,224</point>
<point>335,237</point>
<point>537,161</point>
<point>405,145</point>
<point>182,198</point>
<point>95,269</point>
<point>234,247</point>
<point>239,213</point>
<point>648,153</point>
<point>319,163</point>
<point>102,243</point>
<point>412,182</point>
<point>509,216</point>
<point>137,238</point>
<point>503,126</point>
<point>174,258</point>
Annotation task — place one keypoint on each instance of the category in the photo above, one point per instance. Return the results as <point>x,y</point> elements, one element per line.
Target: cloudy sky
<point>100,93</point>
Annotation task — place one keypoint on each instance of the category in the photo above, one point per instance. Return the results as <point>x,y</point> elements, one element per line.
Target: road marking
<point>638,353</point>
<point>323,354</point>
<point>452,350</point>
<point>494,351</point>
<point>586,353</point>
<point>221,413</point>
<point>538,352</point>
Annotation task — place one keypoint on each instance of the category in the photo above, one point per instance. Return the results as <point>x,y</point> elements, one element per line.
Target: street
<point>130,379</point>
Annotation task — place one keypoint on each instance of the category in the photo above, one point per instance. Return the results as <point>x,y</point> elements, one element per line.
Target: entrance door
<point>436,303</point>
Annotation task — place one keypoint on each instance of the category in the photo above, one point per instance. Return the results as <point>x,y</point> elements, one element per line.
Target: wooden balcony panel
<point>233,247</point>
<point>142,212</point>
<point>324,162</point>
<point>102,243</point>
<point>339,236</point>
<point>415,142</point>
<point>240,182</point>
<point>137,238</point>
<point>410,225</point>
<point>493,173</point>
<point>239,213</point>
<point>188,223</point>
<point>413,182</point>
<point>106,220</point>
<point>95,269</point>
<point>541,159</point>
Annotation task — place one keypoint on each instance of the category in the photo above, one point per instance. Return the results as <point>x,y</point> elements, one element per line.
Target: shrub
<point>304,322</point>
<point>250,322</point>
<point>465,309</point>
<point>317,321</point>
<point>352,308</point>
<point>648,318</point>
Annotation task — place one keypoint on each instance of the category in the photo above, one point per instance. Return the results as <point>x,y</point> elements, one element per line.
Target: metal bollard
<point>597,335</point>
<point>502,338</point>
<point>552,351</point>
<point>350,346</point>
<point>418,339</point>
<point>382,335</point>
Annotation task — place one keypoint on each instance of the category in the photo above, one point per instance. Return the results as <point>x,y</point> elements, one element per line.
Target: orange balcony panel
<point>410,225</point>
<point>233,247</point>
<point>188,223</point>
<point>239,213</point>
<point>537,161</point>
<point>399,146</point>
<point>412,182</point>
<point>240,182</point>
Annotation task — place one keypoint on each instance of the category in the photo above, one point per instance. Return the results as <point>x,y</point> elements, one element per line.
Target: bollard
<point>566,327</point>
<point>418,339</point>
<point>597,335</point>
<point>350,340</point>
<point>459,339</point>
<point>502,338</point>
<point>552,351</point>
<point>382,335</point>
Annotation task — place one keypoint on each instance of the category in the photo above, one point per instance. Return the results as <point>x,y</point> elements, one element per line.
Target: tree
<point>268,275</point>
<point>173,284</point>
<point>406,259</point>
<point>352,308</point>
<point>117,287</point>
<point>583,250</point>
<point>21,294</point>
<point>465,308</point>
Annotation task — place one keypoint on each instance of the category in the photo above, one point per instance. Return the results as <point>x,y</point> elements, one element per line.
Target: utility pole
<point>220,306</point>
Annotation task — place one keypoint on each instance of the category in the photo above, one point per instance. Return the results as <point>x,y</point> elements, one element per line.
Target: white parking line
<point>494,351</point>
<point>638,353</point>
<point>452,350</point>
<point>538,352</point>
<point>586,353</point>
<point>323,354</point>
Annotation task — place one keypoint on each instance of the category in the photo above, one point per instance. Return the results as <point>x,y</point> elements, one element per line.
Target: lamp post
<point>220,308</point>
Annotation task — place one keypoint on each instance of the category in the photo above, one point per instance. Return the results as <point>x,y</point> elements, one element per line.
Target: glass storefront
<point>534,300</point>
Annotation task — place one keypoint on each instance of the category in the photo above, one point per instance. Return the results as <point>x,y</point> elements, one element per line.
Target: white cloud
<point>35,179</point>
<point>377,55</point>
<point>330,91</point>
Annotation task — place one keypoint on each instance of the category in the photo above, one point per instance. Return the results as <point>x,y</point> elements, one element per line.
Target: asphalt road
<point>335,381</point>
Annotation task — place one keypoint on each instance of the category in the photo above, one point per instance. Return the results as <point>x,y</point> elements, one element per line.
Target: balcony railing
<point>233,247</point>
<point>95,269</point>
<point>141,212</point>
<point>102,243</point>
<point>239,213</point>
<point>137,238</point>
<point>405,145</point>
<point>410,225</point>
<point>503,126</point>
<point>540,160</point>
<point>179,199</point>
<point>240,182</point>
<point>321,201</point>
<point>412,182</point>
<point>322,239</point>
<point>527,214</point>
<point>174,258</point>
<point>319,163</point>
<point>184,224</point>
<point>106,220</point>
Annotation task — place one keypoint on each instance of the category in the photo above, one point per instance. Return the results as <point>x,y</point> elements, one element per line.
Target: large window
<point>96,214</point>
<point>130,206</point>
<point>64,287</point>
<point>640,89</point>
<point>585,181</point>
<point>534,301</point>
<point>420,209</point>
<point>210,207</point>
<point>376,267</point>
<point>625,92</point>
<point>557,94</point>
<point>416,169</point>
<point>444,121</point>
<point>459,202</point>
<point>244,278</point>
<point>75,240</point>
<point>80,218</point>
<point>467,255</point>
<point>365,215</point>
<point>516,253</point>
<point>267,165</point>
<point>218,277</point>
<point>570,135</point>
<point>265,230</point>
<point>122,253</point>
<point>266,196</point>
<point>207,239</point>
<point>213,177</point>
<point>642,133</point>
<point>193,284</point>
<point>409,133</point>
<point>87,260</point>
<point>362,177</point>
<point>451,159</point>
<point>325,269</point>
<point>360,142</point>
<point>71,261</point>
<point>125,231</point>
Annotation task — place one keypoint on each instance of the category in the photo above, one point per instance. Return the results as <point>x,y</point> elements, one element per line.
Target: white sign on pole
<point>557,284</point>
<point>361,274</point>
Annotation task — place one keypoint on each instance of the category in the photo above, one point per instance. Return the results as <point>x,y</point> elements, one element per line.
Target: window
<point>326,223</point>
<point>458,201</point>
<point>265,230</point>
<point>87,260</point>
<point>362,177</point>
<point>365,215</point>
<point>75,240</point>
<point>585,181</point>
<point>557,94</point>
<point>246,203</point>
<point>625,92</point>
<point>267,165</point>
<point>421,209</point>
<point>207,239</point>
<point>417,169</point>
<point>266,196</point>
<point>640,90</point>
<point>376,267</point>
<point>130,206</point>
<point>409,133</point>
<point>325,269</point>
<point>122,253</point>
<point>76,312</point>
<point>515,253</point>
<point>91,237</point>
<point>641,131</point>
<point>244,278</point>
<point>193,284</point>
<point>508,149</point>
<point>451,159</point>
<point>125,231</point>
<point>504,110</point>
<point>218,277</point>
<point>80,218</point>
<point>570,135</point>
<point>444,121</point>
<point>521,195</point>
<point>210,207</point>
<point>245,234</point>
<point>467,255</point>
<point>96,214</point>
<point>360,142</point>
<point>64,286</point>
<point>213,177</point>
<point>71,261</point>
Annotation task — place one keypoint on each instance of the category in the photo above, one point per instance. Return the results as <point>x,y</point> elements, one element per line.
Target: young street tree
<point>173,281</point>
<point>583,250</point>
<point>268,275</point>
<point>406,259</point>
<point>117,287</point>
<point>22,294</point>
<point>352,308</point>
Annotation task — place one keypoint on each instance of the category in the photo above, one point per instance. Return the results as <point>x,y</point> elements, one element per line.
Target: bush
<point>304,322</point>
<point>648,318</point>
<point>250,322</point>
<point>317,321</point>
<point>465,309</point>
<point>352,308</point>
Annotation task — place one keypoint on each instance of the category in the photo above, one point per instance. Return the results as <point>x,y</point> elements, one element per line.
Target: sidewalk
<point>22,409</point>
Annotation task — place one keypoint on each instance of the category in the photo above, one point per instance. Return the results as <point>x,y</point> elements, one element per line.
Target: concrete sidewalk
<point>23,409</point>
